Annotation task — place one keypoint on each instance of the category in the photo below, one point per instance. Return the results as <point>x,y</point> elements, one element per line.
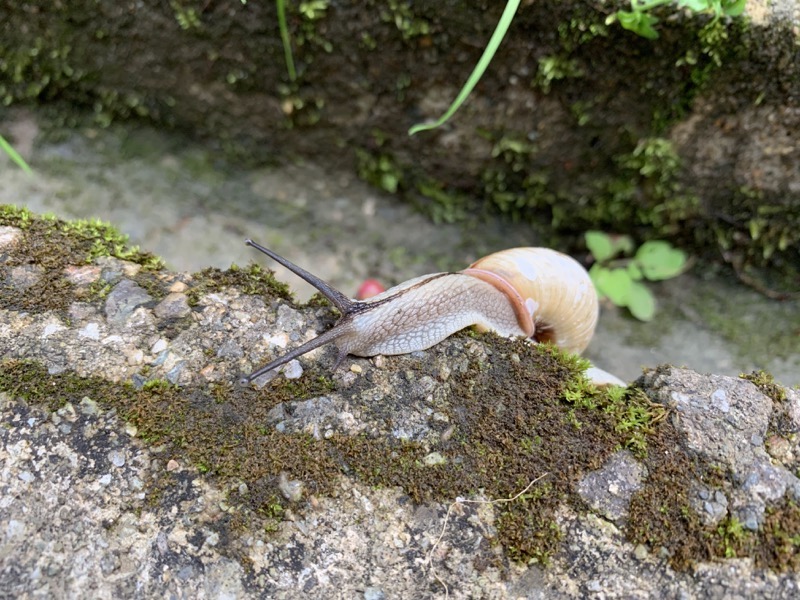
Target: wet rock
<point>123,300</point>
<point>9,237</point>
<point>173,306</point>
<point>724,420</point>
<point>718,417</point>
<point>609,489</point>
<point>25,276</point>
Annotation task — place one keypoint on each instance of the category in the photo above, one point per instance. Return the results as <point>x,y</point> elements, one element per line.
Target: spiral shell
<point>552,295</point>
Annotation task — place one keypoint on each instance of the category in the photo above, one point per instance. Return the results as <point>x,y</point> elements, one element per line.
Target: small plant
<point>187,17</point>
<point>640,21</point>
<point>618,272</point>
<point>733,535</point>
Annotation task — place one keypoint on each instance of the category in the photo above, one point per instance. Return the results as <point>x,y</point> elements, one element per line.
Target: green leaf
<point>615,284</point>
<point>477,72</point>
<point>600,245</point>
<point>638,22</point>
<point>659,260</point>
<point>695,5</point>
<point>641,302</point>
<point>634,271</point>
<point>596,274</point>
<point>733,8</point>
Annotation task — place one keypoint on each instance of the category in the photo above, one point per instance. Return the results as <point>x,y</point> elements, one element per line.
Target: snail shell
<point>529,292</point>
<point>551,292</point>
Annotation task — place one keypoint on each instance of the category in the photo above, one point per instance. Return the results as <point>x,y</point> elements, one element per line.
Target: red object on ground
<point>370,288</point>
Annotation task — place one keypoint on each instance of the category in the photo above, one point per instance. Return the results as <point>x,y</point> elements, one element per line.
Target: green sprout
<point>619,278</point>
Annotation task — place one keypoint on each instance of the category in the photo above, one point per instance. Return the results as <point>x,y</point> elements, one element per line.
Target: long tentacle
<point>339,300</point>
<point>322,339</point>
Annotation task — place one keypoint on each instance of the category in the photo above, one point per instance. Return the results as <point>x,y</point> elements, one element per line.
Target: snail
<point>536,293</point>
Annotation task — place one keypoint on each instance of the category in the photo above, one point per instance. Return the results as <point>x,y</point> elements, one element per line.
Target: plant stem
<point>287,43</point>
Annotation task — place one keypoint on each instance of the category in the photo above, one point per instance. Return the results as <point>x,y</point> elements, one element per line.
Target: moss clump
<point>48,246</point>
<point>661,515</point>
<point>766,383</point>
<point>776,545</point>
<point>761,229</point>
<point>251,279</point>
<point>38,65</point>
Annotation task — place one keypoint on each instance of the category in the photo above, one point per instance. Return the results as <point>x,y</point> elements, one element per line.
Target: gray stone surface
<point>724,421</point>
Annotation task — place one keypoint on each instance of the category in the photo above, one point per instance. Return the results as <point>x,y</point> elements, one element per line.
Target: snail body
<point>530,292</point>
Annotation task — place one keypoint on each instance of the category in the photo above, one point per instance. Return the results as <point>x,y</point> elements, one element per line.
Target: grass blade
<point>14,155</point>
<point>477,73</point>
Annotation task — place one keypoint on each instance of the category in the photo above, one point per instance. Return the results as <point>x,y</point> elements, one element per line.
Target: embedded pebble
<point>82,276</point>
<point>126,297</point>
<point>173,306</point>
<point>178,287</point>
<point>609,489</point>
<point>434,458</point>
<point>52,328</point>
<point>117,458</point>
<point>9,236</point>
<point>292,370</point>
<point>292,489</point>
<point>91,331</point>
<point>25,276</point>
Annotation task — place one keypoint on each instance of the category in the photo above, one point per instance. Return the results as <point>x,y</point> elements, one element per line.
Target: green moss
<point>31,69</point>
<point>760,230</point>
<point>646,192</point>
<point>312,13</point>
<point>379,169</point>
<point>251,279</point>
<point>440,204</point>
<point>526,413</point>
<point>401,14</point>
<point>221,430</point>
<point>49,246</point>
<point>766,383</point>
<point>554,68</point>
<point>186,16</point>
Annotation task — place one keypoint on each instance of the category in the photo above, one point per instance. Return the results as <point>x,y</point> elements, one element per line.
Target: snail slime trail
<point>512,292</point>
